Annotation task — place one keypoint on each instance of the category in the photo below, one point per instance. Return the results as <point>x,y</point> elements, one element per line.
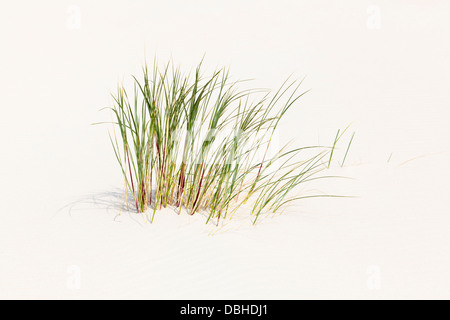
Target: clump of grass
<point>199,142</point>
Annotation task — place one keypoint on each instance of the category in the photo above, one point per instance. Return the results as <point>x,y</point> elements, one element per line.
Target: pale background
<point>382,65</point>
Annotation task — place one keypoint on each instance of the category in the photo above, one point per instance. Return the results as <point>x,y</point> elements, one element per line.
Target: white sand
<point>392,83</point>
<point>386,244</point>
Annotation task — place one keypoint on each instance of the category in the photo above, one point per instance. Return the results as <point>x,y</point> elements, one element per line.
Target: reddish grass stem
<point>132,184</point>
